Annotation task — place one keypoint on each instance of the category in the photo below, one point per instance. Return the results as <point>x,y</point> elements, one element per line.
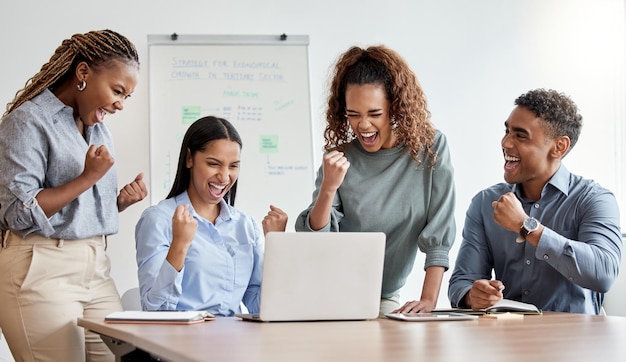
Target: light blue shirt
<point>40,148</point>
<point>222,268</point>
<point>574,264</point>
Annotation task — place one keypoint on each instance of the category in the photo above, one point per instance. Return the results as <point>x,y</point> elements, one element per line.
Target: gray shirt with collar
<point>574,264</point>
<point>41,147</point>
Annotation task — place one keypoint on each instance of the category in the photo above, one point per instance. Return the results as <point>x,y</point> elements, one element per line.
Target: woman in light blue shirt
<point>195,251</point>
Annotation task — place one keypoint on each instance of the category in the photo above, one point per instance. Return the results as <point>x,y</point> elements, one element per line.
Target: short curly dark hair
<point>558,112</point>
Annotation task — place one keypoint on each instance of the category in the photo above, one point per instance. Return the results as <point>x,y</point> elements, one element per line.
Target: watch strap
<point>523,232</point>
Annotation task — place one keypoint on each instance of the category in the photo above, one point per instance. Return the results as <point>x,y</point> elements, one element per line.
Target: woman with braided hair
<point>386,169</point>
<point>59,199</point>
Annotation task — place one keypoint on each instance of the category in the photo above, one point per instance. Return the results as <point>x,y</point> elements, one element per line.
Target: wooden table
<point>549,337</point>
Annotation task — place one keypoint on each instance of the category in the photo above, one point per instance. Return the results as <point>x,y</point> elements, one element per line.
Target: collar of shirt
<point>225,211</point>
<point>47,99</point>
<point>560,181</point>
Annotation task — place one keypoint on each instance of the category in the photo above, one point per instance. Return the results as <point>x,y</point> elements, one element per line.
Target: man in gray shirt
<point>552,238</point>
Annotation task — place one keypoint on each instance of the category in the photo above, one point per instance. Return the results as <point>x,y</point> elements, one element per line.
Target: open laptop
<point>315,276</point>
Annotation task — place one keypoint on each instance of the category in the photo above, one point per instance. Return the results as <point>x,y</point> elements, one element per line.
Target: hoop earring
<point>81,87</point>
<point>351,134</point>
<point>394,123</point>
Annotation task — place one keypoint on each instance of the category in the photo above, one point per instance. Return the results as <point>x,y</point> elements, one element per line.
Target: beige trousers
<point>45,285</point>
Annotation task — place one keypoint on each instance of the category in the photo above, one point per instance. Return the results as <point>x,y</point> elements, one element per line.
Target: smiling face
<point>367,110</point>
<point>213,171</point>
<point>531,156</point>
<point>107,87</point>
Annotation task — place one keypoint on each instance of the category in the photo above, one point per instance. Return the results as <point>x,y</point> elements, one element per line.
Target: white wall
<point>473,59</point>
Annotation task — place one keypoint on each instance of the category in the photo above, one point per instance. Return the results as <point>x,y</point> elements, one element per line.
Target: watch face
<point>531,224</point>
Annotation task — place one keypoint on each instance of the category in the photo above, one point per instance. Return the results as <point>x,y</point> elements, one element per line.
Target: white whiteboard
<point>258,83</point>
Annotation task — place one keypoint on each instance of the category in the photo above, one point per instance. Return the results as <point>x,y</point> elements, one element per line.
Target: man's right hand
<point>484,294</point>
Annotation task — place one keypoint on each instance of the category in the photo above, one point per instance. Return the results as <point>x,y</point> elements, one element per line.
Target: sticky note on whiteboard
<point>190,114</point>
<point>268,144</point>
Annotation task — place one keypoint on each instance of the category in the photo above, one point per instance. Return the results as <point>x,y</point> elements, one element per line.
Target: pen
<point>500,287</point>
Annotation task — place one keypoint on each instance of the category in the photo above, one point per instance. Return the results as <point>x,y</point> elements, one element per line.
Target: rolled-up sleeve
<point>23,163</point>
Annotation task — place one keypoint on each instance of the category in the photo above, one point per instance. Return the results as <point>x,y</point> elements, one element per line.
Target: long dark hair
<point>198,135</point>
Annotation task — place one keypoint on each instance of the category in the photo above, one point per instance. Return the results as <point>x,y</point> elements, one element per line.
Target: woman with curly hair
<point>387,169</point>
<point>59,198</point>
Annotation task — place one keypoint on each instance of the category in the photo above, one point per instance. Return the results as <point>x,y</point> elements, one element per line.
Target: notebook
<point>159,317</point>
<point>320,276</point>
<point>501,306</point>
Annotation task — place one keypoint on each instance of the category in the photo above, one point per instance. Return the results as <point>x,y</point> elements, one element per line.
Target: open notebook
<point>501,306</point>
<point>321,276</point>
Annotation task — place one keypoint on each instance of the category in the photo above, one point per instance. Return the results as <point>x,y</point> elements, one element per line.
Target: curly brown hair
<point>381,66</point>
<point>95,47</point>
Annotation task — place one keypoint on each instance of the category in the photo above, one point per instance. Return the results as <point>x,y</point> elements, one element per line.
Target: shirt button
<point>527,261</point>
<point>526,292</point>
<point>545,257</point>
<point>570,278</point>
<point>536,206</point>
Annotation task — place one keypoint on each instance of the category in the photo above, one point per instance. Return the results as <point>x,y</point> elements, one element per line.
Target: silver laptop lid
<point>322,276</point>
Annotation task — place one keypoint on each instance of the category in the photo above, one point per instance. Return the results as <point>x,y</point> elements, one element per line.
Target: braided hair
<point>95,47</point>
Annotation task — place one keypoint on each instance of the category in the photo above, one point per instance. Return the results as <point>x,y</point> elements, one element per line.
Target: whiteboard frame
<point>232,39</point>
<point>195,39</point>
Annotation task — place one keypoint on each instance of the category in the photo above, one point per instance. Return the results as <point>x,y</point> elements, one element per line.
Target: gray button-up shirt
<point>40,147</point>
<point>574,264</point>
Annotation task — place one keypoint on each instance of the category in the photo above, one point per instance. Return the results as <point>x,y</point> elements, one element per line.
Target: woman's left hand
<point>275,220</point>
<point>416,306</point>
<point>132,193</point>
